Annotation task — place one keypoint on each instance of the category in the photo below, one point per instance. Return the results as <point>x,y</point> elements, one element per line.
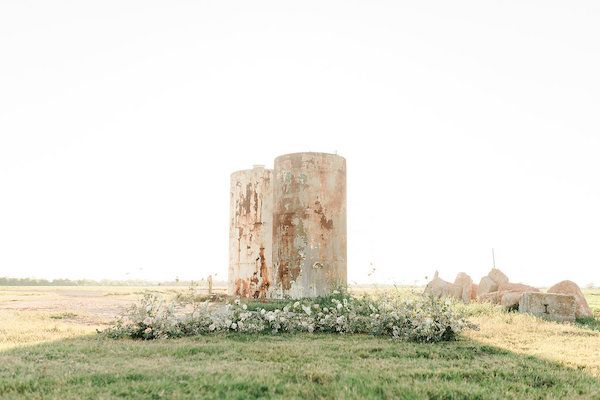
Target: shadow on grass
<point>284,366</point>
<point>589,323</point>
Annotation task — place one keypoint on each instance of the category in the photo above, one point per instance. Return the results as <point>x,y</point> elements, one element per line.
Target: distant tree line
<point>5,281</point>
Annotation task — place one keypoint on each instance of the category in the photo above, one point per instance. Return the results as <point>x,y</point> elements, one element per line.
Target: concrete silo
<point>309,224</point>
<point>250,233</point>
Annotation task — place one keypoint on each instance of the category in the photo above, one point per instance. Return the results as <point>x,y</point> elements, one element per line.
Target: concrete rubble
<point>461,289</point>
<point>568,287</point>
<point>555,307</point>
<point>491,282</point>
<point>562,302</point>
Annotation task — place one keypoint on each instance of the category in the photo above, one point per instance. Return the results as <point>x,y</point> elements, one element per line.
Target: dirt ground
<point>95,305</point>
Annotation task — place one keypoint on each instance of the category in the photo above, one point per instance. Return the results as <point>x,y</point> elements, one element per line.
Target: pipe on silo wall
<point>309,224</point>
<point>250,233</point>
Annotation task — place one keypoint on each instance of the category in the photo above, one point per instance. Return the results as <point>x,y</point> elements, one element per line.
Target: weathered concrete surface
<point>557,307</point>
<point>511,299</point>
<point>251,233</point>
<point>491,282</point>
<point>508,294</point>
<point>486,285</point>
<point>473,291</point>
<point>439,288</point>
<point>464,282</point>
<point>569,287</point>
<point>462,288</point>
<point>309,224</point>
<point>492,297</point>
<point>516,287</point>
<point>498,276</point>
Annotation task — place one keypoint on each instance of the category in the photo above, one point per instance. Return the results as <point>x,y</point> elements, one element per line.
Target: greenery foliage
<point>421,319</point>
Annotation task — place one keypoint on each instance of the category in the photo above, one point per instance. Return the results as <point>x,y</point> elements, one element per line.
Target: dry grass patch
<point>568,344</point>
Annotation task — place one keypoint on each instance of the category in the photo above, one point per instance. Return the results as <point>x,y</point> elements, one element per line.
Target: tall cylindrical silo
<point>250,233</point>
<point>309,224</point>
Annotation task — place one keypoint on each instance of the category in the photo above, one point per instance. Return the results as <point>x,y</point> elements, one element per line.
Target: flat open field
<point>49,349</point>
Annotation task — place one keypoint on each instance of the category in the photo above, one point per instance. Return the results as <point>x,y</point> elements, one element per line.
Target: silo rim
<point>240,171</point>
<point>309,153</point>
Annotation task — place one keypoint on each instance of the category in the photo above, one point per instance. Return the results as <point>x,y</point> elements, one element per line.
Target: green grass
<point>51,354</point>
<point>288,366</point>
<point>593,298</point>
<point>64,315</point>
<point>268,305</point>
<point>590,323</point>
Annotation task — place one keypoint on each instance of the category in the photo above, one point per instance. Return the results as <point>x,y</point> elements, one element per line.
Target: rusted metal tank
<point>309,224</point>
<point>250,233</point>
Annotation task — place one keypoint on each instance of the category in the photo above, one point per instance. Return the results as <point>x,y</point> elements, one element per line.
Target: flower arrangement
<point>421,318</point>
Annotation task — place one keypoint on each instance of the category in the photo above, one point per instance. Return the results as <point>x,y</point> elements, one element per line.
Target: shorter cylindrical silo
<point>251,233</point>
<point>309,224</point>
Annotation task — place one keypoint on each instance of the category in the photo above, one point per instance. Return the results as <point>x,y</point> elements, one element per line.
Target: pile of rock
<point>496,288</point>
<point>462,288</point>
<point>491,282</point>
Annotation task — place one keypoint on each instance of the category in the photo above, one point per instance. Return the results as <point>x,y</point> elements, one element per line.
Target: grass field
<point>49,350</point>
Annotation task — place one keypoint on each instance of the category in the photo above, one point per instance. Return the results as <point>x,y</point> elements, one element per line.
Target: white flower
<point>421,320</point>
<point>336,292</point>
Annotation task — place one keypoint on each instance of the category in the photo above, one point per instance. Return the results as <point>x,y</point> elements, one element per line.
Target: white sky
<point>465,125</point>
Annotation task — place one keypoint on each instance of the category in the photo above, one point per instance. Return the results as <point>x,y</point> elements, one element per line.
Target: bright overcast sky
<point>465,125</point>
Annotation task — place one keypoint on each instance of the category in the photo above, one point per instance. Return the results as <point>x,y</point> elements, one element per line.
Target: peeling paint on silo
<point>309,224</point>
<point>250,233</point>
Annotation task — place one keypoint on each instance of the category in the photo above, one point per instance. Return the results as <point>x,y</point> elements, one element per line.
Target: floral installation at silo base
<point>414,318</point>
